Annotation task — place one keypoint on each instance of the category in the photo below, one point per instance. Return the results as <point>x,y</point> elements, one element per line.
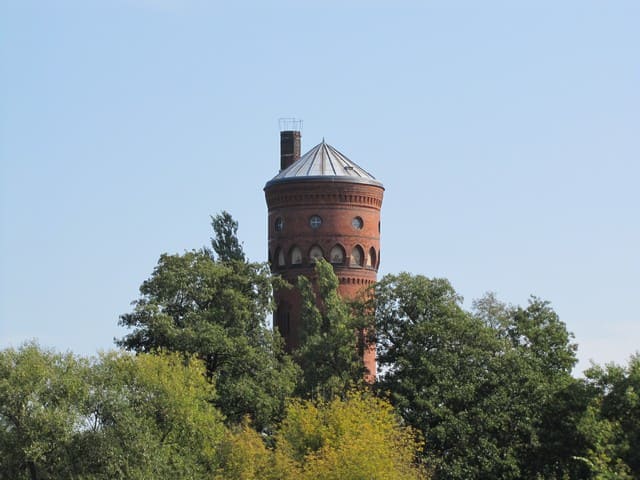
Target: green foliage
<point>331,361</point>
<point>119,416</point>
<point>616,444</point>
<point>225,243</point>
<point>542,338</point>
<point>356,438</point>
<point>41,393</point>
<point>540,343</point>
<point>244,456</point>
<point>536,332</point>
<point>561,440</point>
<point>151,415</point>
<point>477,386</point>
<point>440,367</point>
<point>217,310</point>
<point>602,459</point>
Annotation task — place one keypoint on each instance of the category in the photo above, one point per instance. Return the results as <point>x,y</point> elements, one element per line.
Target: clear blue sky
<point>507,137</point>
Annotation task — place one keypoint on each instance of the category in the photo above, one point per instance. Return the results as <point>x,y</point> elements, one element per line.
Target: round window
<point>357,223</point>
<point>315,221</point>
<point>279,225</point>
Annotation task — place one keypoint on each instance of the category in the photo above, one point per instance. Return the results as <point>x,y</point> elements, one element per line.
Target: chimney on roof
<point>289,141</point>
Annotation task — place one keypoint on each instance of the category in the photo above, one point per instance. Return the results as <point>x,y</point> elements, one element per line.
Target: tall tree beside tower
<point>217,310</point>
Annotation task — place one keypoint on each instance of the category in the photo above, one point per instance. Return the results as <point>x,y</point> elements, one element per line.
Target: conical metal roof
<point>323,162</point>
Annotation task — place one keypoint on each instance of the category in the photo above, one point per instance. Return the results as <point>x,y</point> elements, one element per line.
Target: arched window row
<point>337,256</point>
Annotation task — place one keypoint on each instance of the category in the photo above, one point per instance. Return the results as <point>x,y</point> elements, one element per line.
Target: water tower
<point>321,205</point>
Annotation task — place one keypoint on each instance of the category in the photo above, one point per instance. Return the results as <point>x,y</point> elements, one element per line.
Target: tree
<point>115,417</point>
<point>618,410</point>
<point>355,438</point>
<point>245,456</point>
<point>41,396</point>
<point>438,364</point>
<point>544,347</point>
<point>474,385</point>
<point>149,416</point>
<point>217,310</point>
<point>602,459</point>
<point>225,243</point>
<point>536,331</point>
<point>329,356</point>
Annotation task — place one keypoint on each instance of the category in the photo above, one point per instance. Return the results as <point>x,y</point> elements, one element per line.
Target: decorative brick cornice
<point>356,281</point>
<point>323,193</point>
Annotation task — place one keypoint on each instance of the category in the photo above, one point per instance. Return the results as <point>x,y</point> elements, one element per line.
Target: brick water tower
<point>321,205</point>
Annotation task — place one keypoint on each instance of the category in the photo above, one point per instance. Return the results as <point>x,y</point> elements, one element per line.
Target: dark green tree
<point>330,358</point>
<point>472,384</point>
<point>217,309</point>
<point>438,366</point>
<point>540,340</point>
<point>225,243</point>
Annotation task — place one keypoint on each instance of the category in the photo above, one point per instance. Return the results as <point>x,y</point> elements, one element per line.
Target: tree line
<point>202,387</point>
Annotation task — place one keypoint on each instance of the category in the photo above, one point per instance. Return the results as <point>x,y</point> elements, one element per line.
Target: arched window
<point>357,256</point>
<point>371,258</point>
<point>296,256</point>
<point>280,257</point>
<point>315,254</point>
<point>336,255</point>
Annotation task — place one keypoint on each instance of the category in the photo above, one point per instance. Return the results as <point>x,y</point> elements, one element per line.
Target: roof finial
<point>323,140</point>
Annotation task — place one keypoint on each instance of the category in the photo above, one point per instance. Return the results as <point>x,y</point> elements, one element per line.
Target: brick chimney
<point>289,147</point>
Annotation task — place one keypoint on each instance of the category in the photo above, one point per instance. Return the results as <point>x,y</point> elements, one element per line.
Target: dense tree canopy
<point>117,416</point>
<point>541,343</point>
<point>217,309</point>
<point>41,396</point>
<point>613,425</point>
<point>123,416</point>
<point>477,386</point>
<point>355,438</point>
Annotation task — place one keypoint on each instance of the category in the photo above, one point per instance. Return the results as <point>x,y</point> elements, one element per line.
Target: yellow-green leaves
<point>117,416</point>
<point>351,439</point>
<point>356,438</point>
